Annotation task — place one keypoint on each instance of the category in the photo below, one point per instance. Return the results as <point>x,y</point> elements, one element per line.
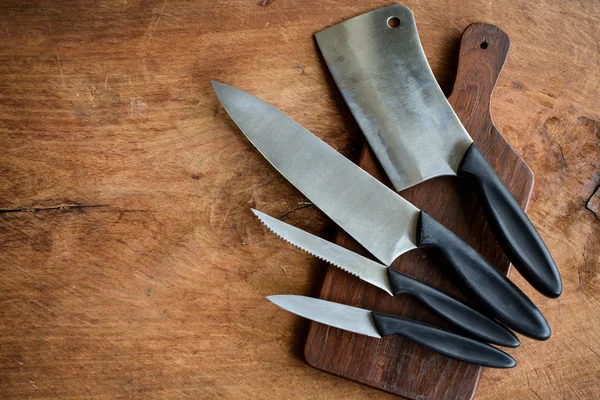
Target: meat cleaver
<point>378,64</point>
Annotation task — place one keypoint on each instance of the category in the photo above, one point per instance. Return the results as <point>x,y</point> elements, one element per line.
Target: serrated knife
<point>378,325</point>
<point>377,217</point>
<point>377,62</point>
<point>393,282</point>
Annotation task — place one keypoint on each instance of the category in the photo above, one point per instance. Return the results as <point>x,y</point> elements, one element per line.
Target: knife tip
<point>281,298</point>
<point>216,85</point>
<point>219,88</point>
<point>275,299</point>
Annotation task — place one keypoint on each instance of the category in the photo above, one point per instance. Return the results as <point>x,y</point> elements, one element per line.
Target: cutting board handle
<point>483,51</point>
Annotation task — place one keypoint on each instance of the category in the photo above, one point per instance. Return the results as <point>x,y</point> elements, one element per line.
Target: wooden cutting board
<point>395,364</point>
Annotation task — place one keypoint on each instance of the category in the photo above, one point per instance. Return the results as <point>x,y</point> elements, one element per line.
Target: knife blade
<point>377,217</point>
<point>382,72</point>
<point>378,325</point>
<point>393,282</point>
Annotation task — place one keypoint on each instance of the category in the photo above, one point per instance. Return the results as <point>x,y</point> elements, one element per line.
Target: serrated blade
<point>340,316</point>
<point>383,222</point>
<point>384,76</point>
<point>349,261</point>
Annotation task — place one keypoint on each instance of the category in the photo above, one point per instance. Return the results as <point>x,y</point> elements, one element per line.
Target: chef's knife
<point>383,222</point>
<point>378,325</point>
<point>378,64</point>
<point>393,282</point>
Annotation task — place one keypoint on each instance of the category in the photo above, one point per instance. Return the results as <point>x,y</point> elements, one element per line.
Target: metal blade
<point>367,270</point>
<point>384,77</point>
<point>383,222</point>
<point>348,318</point>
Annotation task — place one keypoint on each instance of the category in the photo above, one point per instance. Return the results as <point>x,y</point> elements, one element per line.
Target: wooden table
<point>131,264</point>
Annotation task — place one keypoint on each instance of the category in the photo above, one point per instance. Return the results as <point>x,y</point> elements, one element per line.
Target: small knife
<point>380,220</point>
<point>393,282</point>
<point>378,325</point>
<point>377,62</point>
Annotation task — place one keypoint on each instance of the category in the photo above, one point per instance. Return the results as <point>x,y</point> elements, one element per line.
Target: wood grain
<point>158,292</point>
<point>395,364</point>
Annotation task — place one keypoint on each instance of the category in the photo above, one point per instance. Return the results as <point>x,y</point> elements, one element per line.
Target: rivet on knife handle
<point>514,231</point>
<point>500,297</point>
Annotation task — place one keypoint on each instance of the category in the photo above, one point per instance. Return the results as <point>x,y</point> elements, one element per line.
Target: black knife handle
<point>453,310</point>
<point>499,297</point>
<point>447,343</point>
<point>510,225</point>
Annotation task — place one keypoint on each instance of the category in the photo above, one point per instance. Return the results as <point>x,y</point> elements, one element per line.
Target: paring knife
<point>378,64</point>
<point>377,217</point>
<point>393,282</point>
<point>378,325</point>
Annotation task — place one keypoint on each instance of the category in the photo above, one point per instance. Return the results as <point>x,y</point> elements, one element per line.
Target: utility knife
<point>378,325</point>
<point>393,282</point>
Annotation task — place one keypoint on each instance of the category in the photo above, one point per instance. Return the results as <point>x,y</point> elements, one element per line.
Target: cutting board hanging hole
<point>484,44</point>
<point>394,22</point>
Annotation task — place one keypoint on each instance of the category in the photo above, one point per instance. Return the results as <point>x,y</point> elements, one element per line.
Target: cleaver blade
<point>378,63</point>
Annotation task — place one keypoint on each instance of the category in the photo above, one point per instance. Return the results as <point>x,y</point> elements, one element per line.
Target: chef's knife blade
<point>382,73</point>
<point>311,165</point>
<point>379,219</point>
<point>393,282</point>
<point>378,325</point>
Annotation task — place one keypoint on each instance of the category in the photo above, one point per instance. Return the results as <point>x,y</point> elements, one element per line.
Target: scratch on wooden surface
<point>105,82</point>
<point>92,94</point>
<point>535,393</point>
<point>299,68</point>
<point>545,129</point>
<point>588,347</point>
<point>562,155</point>
<point>225,218</point>
<point>62,207</point>
<point>47,19</point>
<point>282,217</point>
<point>62,76</point>
<point>247,190</point>
<point>579,273</point>
<point>153,26</point>
<point>55,394</point>
<point>136,105</point>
